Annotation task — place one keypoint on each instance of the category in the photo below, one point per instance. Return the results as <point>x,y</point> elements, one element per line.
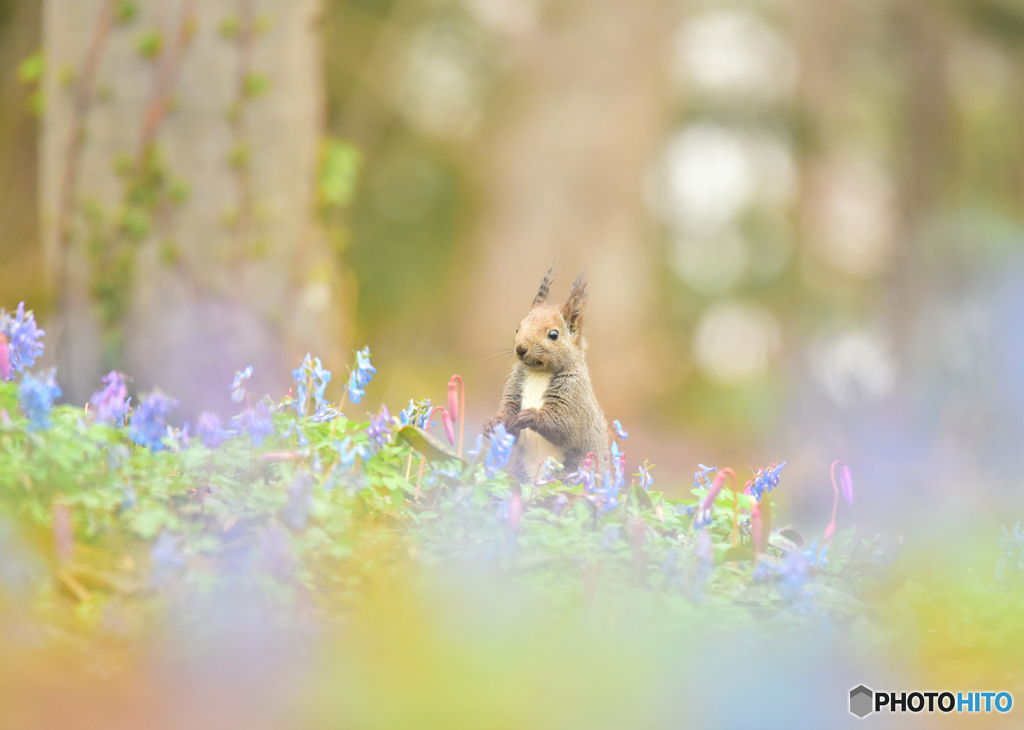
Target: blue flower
<point>347,453</point>
<point>257,422</point>
<point>178,437</point>
<point>311,380</point>
<point>646,480</point>
<point>361,375</point>
<point>238,384</point>
<point>36,396</point>
<point>499,452</point>
<point>379,430</point>
<point>700,477</point>
<point>210,430</point>
<point>813,557</point>
<point>620,430</point>
<point>149,422</point>
<point>111,404</point>
<point>23,334</point>
<point>766,480</point>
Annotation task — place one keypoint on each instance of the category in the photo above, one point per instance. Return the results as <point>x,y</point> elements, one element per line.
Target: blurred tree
<point>179,168</point>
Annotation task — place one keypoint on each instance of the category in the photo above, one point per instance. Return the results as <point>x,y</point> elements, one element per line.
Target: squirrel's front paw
<point>492,423</point>
<point>527,418</point>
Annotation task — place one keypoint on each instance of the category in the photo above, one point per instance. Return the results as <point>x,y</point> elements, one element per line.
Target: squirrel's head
<point>551,336</point>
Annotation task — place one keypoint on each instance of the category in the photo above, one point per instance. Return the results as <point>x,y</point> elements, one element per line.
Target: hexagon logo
<point>861,701</point>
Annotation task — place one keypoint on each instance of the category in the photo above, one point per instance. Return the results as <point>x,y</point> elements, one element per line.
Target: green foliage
<point>126,11</point>
<point>340,163</point>
<point>256,84</point>
<point>149,43</point>
<point>30,71</point>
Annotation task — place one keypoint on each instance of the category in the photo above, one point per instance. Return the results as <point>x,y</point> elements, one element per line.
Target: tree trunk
<point>179,160</point>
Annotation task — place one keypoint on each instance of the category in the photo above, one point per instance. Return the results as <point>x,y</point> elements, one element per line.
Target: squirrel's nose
<point>521,350</point>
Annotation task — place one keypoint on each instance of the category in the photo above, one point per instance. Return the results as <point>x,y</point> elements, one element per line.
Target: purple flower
<point>499,452</point>
<point>210,430</point>
<point>379,430</point>
<point>238,384</point>
<point>149,421</point>
<point>311,380</point>
<point>361,376</point>
<point>111,404</point>
<point>620,430</point>
<point>21,330</point>
<point>257,422</point>
<point>36,396</point>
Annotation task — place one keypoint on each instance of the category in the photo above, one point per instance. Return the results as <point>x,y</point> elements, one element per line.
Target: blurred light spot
<point>770,243</point>
<point>854,367</point>
<point>316,296</point>
<point>712,173</point>
<point>711,265</point>
<point>709,178</point>
<point>443,85</point>
<point>507,16</point>
<point>853,219</point>
<point>734,342</point>
<point>735,52</point>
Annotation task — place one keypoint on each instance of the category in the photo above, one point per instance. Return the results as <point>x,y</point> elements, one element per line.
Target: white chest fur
<point>533,448</point>
<point>535,387</point>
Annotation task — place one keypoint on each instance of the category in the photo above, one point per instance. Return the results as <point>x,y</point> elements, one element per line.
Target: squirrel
<point>548,402</point>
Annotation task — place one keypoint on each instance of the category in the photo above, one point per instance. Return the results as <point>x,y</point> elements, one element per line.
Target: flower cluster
<point>149,421</point>
<point>701,478</point>
<point>765,480</point>
<point>417,414</point>
<point>110,405</point>
<point>36,396</point>
<point>361,375</point>
<point>23,339</point>
<point>379,430</point>
<point>311,380</point>
<point>210,431</point>
<point>499,451</point>
<point>257,422</point>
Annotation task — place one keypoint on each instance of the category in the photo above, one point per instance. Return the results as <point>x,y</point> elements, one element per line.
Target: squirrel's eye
<point>553,335</point>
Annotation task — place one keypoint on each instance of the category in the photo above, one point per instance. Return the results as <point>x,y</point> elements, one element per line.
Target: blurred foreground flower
<point>5,359</point>
<point>36,396</point>
<point>149,423</point>
<point>238,384</point>
<point>111,404</point>
<point>20,329</point>
<point>257,422</point>
<point>210,431</point>
<point>847,482</point>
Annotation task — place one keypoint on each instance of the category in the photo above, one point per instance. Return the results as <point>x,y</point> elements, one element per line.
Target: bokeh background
<point>800,222</point>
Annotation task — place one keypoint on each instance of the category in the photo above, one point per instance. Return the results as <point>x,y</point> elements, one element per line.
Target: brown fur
<point>569,419</point>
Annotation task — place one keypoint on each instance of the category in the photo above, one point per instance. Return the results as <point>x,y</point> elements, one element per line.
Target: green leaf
<point>427,445</point>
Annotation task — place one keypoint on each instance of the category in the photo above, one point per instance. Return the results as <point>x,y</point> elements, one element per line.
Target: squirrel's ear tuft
<point>573,307</point>
<point>545,287</point>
